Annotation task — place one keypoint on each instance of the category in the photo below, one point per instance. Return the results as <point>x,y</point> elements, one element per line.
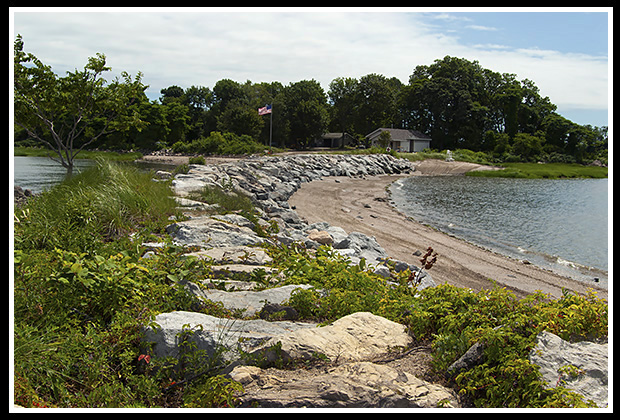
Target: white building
<point>402,140</point>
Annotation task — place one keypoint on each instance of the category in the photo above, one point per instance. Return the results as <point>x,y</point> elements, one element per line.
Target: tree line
<point>457,102</point>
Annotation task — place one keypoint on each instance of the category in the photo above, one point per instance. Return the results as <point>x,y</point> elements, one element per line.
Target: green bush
<point>220,144</point>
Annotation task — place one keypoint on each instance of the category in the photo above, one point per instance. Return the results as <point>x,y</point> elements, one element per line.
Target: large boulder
<point>359,336</point>
<point>212,334</point>
<point>210,232</point>
<point>582,367</point>
<point>355,384</point>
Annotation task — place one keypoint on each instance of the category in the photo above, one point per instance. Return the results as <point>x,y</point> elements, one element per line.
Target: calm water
<point>41,173</point>
<point>558,224</point>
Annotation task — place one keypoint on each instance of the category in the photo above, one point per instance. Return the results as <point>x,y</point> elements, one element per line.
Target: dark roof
<point>400,134</point>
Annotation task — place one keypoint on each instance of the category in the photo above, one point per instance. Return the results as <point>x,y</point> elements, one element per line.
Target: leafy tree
<point>68,114</point>
<point>342,95</point>
<point>304,111</point>
<point>375,103</point>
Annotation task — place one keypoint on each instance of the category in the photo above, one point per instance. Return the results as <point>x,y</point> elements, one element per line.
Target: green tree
<point>342,91</point>
<point>304,111</point>
<point>67,114</point>
<point>376,103</point>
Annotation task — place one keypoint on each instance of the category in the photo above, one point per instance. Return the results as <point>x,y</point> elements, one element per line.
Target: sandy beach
<point>361,205</point>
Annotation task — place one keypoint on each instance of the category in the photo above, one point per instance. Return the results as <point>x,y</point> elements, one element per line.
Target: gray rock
<point>364,246</point>
<point>251,302</point>
<point>587,360</point>
<point>359,336</point>
<point>207,232</point>
<point>235,255</point>
<point>212,334</point>
<point>472,357</point>
<point>355,384</point>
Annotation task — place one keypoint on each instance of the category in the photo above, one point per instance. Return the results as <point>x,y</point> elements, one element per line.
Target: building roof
<point>399,134</point>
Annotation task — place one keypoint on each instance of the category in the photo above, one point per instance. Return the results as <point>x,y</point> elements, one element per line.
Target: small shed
<point>402,140</point>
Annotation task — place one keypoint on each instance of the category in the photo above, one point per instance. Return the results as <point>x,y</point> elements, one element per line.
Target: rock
<point>20,196</point>
<point>251,302</point>
<point>235,255</point>
<point>322,237</point>
<point>356,384</point>
<point>210,333</point>
<point>187,204</point>
<point>364,246</point>
<point>587,361</point>
<point>234,219</point>
<point>207,232</point>
<point>472,357</point>
<point>359,336</point>
<point>163,175</point>
<point>277,311</point>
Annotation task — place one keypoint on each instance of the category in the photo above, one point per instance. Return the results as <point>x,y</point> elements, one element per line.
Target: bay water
<point>41,173</point>
<point>558,224</point>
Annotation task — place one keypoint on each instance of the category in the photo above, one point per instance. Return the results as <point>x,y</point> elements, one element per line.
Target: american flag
<point>264,110</point>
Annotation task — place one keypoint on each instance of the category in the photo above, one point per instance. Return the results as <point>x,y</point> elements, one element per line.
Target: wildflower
<point>144,357</point>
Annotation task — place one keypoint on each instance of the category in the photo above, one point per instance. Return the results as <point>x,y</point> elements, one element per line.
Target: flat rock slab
<point>235,255</point>
<point>207,232</point>
<point>210,333</point>
<point>251,302</point>
<point>359,336</point>
<point>355,384</point>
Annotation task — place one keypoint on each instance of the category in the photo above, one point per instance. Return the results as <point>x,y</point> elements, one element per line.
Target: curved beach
<point>362,205</point>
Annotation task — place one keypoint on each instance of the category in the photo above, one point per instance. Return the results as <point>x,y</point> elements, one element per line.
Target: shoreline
<point>362,205</point>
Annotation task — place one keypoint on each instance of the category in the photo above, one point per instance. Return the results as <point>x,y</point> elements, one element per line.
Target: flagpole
<point>270,124</point>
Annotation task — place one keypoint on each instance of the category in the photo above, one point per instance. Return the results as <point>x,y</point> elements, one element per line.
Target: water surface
<point>559,224</point>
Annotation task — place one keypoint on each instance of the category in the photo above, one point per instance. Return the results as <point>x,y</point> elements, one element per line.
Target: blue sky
<point>564,51</point>
<point>566,32</point>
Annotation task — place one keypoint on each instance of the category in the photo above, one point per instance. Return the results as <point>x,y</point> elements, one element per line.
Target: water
<point>557,224</point>
<point>41,173</point>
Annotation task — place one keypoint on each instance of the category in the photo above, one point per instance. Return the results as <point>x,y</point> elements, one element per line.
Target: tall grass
<point>102,203</point>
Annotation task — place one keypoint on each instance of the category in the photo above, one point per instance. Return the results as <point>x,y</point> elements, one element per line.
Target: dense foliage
<point>460,104</point>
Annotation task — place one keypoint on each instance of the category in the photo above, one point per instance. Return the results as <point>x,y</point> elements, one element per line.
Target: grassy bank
<point>84,288</point>
<point>544,170</point>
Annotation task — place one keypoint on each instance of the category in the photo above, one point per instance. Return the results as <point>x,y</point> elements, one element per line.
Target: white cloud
<point>198,48</point>
<point>481,28</point>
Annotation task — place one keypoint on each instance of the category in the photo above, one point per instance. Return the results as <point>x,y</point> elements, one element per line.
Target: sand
<point>361,205</point>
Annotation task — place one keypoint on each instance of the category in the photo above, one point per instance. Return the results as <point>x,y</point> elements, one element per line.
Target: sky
<point>564,51</point>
